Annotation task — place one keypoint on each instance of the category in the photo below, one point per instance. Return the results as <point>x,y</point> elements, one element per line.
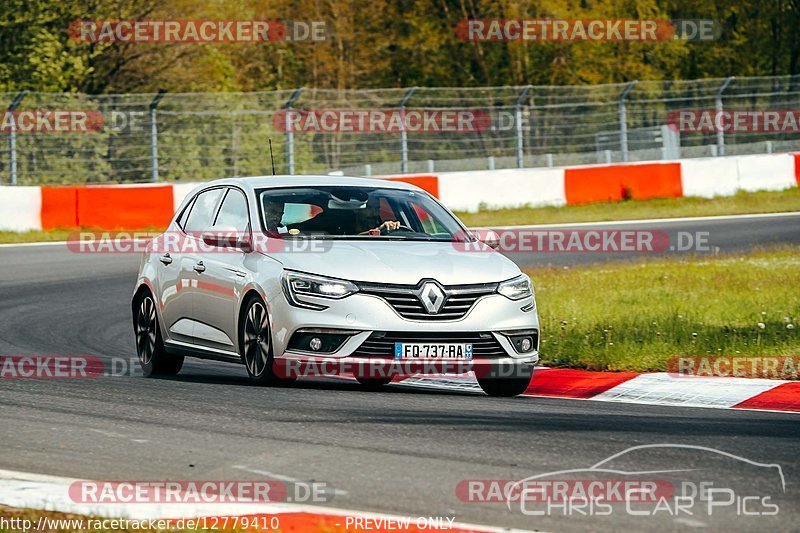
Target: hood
<point>401,262</point>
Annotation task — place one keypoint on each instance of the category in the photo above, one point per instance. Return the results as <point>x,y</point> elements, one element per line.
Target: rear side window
<point>233,213</point>
<point>184,215</point>
<point>199,218</point>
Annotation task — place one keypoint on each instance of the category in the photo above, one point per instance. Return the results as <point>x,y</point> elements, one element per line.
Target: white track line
<point>654,220</point>
<point>32,244</point>
<point>533,226</point>
<point>25,490</point>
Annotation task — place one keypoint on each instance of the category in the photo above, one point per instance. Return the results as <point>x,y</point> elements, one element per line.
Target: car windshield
<point>347,212</point>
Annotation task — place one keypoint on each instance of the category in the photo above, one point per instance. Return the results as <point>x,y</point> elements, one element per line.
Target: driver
<point>371,218</point>
<point>273,216</point>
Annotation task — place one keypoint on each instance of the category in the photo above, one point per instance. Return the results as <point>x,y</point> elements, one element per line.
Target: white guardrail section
<point>21,208</point>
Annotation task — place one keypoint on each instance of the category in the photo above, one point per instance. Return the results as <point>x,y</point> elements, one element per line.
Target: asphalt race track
<point>707,236</point>
<point>398,451</point>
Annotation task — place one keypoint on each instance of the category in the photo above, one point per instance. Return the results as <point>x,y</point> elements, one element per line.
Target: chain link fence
<point>202,136</point>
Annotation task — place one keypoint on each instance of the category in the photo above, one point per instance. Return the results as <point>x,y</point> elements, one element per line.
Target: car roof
<point>262,182</point>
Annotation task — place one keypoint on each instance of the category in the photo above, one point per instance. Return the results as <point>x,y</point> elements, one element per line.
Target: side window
<point>233,213</point>
<point>184,215</point>
<point>199,218</point>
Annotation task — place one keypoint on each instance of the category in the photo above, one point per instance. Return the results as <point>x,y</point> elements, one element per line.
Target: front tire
<point>506,387</point>
<point>256,345</point>
<point>153,357</point>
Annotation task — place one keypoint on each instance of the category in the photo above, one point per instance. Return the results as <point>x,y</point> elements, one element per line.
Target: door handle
<point>200,267</point>
<point>166,259</point>
<point>238,273</point>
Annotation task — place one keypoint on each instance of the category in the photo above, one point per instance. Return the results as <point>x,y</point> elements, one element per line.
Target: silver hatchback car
<point>371,278</point>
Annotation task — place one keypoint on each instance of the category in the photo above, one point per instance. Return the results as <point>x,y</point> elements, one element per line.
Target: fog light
<point>319,340</point>
<point>523,341</point>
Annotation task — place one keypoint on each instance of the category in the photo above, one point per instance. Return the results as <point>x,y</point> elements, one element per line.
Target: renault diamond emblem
<point>432,297</point>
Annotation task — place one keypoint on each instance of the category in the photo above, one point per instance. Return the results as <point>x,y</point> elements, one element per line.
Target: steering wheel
<point>402,227</point>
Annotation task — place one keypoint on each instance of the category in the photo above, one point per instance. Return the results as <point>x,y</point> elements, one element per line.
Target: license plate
<point>420,350</point>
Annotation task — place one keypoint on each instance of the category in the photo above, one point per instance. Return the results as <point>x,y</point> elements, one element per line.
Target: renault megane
<point>265,271</point>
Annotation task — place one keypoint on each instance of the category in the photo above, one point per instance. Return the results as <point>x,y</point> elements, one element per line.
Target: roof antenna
<point>272,158</point>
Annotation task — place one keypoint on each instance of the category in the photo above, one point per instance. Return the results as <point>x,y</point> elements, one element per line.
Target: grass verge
<point>636,316</point>
<point>57,235</point>
<point>741,203</point>
<point>12,237</point>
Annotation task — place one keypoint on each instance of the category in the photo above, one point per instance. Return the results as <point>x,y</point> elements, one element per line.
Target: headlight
<point>296,286</point>
<point>517,288</point>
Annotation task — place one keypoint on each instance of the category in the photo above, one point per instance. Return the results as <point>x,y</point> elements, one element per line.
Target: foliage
<point>384,43</point>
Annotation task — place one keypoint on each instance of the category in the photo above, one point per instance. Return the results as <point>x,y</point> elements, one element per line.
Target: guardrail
<point>130,207</point>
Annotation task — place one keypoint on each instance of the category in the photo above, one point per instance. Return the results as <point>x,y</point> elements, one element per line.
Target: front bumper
<point>364,315</point>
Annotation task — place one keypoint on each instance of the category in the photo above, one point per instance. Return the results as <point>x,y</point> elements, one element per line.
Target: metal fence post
<point>718,109</point>
<point>403,133</point>
<point>518,125</point>
<point>289,133</point>
<point>154,135</point>
<point>623,121</point>
<point>12,138</point>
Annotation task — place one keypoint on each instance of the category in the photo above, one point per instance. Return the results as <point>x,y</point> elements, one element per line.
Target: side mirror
<point>491,239</point>
<point>228,238</point>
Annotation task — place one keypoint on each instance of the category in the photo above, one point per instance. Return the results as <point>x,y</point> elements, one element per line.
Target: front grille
<point>381,343</point>
<point>405,299</point>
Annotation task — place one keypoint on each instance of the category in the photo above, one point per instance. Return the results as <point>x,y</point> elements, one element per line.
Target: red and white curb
<point>25,490</point>
<point>658,388</point>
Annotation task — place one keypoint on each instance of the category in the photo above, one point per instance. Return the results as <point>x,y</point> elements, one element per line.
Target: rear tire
<point>255,341</point>
<point>153,357</point>
<point>507,387</point>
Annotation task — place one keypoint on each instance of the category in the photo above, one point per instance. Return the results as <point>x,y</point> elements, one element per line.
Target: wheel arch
<point>141,289</point>
<point>250,292</point>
